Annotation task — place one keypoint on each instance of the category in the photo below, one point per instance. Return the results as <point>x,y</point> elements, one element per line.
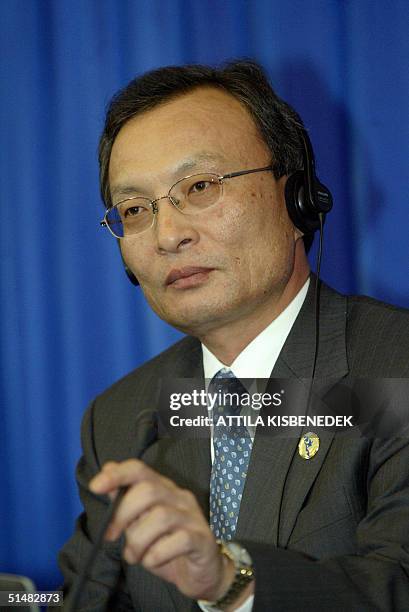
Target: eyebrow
<point>186,166</point>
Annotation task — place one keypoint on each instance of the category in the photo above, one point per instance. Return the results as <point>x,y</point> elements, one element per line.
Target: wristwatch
<point>244,573</point>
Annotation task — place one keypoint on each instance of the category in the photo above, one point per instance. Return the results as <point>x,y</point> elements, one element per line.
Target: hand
<point>164,529</point>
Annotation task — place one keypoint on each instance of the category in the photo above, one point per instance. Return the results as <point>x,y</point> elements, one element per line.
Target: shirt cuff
<point>247,606</point>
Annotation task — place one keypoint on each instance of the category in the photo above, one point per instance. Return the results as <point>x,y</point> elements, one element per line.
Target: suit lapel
<point>185,460</point>
<point>267,513</point>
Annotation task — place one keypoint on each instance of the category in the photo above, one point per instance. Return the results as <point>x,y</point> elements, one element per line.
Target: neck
<point>227,342</point>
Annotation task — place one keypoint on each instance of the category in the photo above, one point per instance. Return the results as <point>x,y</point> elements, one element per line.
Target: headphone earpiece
<point>305,196</point>
<point>294,199</point>
<point>131,275</point>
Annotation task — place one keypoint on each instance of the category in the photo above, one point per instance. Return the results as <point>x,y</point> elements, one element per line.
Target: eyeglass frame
<point>155,209</point>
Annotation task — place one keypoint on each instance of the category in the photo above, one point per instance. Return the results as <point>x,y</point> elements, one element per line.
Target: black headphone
<point>129,272</point>
<point>305,196</point>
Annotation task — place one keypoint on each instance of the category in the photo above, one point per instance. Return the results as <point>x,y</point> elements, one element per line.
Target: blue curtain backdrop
<point>71,322</point>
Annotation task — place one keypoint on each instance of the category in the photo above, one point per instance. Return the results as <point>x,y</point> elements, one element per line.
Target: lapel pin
<point>308,445</point>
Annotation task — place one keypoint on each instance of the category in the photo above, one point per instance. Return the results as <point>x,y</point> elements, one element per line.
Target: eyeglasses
<point>191,195</point>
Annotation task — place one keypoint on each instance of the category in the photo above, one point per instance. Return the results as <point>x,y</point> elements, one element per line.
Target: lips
<point>188,271</point>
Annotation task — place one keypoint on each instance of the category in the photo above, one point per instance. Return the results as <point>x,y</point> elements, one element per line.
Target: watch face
<point>239,554</point>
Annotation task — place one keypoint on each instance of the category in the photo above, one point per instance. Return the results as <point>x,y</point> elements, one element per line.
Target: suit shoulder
<point>378,335</point>
<point>152,369</point>
<point>110,421</point>
<point>368,313</point>
<point>367,302</point>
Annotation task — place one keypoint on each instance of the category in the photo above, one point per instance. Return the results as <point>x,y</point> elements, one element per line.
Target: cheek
<point>237,219</point>
<point>139,255</point>
<point>239,238</point>
<point>268,242</point>
<point>234,236</point>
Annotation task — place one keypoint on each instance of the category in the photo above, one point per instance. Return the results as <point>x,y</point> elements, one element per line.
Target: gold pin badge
<point>308,445</point>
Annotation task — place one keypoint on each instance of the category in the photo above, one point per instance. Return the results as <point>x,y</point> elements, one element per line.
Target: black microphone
<point>146,434</point>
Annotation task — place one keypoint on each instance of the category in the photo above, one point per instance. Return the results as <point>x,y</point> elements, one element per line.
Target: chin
<point>194,319</point>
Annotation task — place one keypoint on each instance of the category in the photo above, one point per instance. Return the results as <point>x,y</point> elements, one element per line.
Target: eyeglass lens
<point>190,196</point>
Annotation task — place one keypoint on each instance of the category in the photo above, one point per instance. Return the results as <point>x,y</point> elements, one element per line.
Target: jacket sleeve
<point>376,578</point>
<point>105,587</point>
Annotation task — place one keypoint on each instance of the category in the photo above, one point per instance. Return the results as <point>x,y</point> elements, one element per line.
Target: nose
<point>172,229</point>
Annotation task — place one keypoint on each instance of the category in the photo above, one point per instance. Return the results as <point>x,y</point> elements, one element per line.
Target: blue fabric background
<point>71,322</point>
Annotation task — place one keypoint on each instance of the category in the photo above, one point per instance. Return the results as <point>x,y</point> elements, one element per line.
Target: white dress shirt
<point>256,361</point>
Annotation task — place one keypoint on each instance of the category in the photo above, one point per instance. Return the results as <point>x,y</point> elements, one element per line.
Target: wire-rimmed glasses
<point>191,195</point>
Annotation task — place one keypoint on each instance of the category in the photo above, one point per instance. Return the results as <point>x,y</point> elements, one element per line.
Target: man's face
<point>243,246</point>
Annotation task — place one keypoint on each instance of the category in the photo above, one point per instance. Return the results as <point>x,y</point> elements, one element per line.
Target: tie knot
<point>228,390</point>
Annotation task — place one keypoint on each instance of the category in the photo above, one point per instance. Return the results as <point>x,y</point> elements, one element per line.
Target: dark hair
<point>278,123</point>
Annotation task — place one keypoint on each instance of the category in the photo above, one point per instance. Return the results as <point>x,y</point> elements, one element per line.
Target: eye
<point>133,211</point>
<point>129,209</point>
<point>200,186</point>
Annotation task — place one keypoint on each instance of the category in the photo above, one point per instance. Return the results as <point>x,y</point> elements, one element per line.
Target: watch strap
<point>243,576</point>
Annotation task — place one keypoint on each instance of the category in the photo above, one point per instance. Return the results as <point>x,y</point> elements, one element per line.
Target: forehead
<point>206,123</point>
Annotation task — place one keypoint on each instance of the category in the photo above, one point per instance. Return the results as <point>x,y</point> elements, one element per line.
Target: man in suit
<point>194,168</point>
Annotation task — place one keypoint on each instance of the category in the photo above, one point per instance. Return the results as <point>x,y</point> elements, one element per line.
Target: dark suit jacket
<point>328,533</point>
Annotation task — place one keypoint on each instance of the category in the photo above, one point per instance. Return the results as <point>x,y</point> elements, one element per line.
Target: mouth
<point>190,276</point>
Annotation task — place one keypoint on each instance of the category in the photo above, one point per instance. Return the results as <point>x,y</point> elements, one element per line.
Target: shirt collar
<point>258,359</point>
